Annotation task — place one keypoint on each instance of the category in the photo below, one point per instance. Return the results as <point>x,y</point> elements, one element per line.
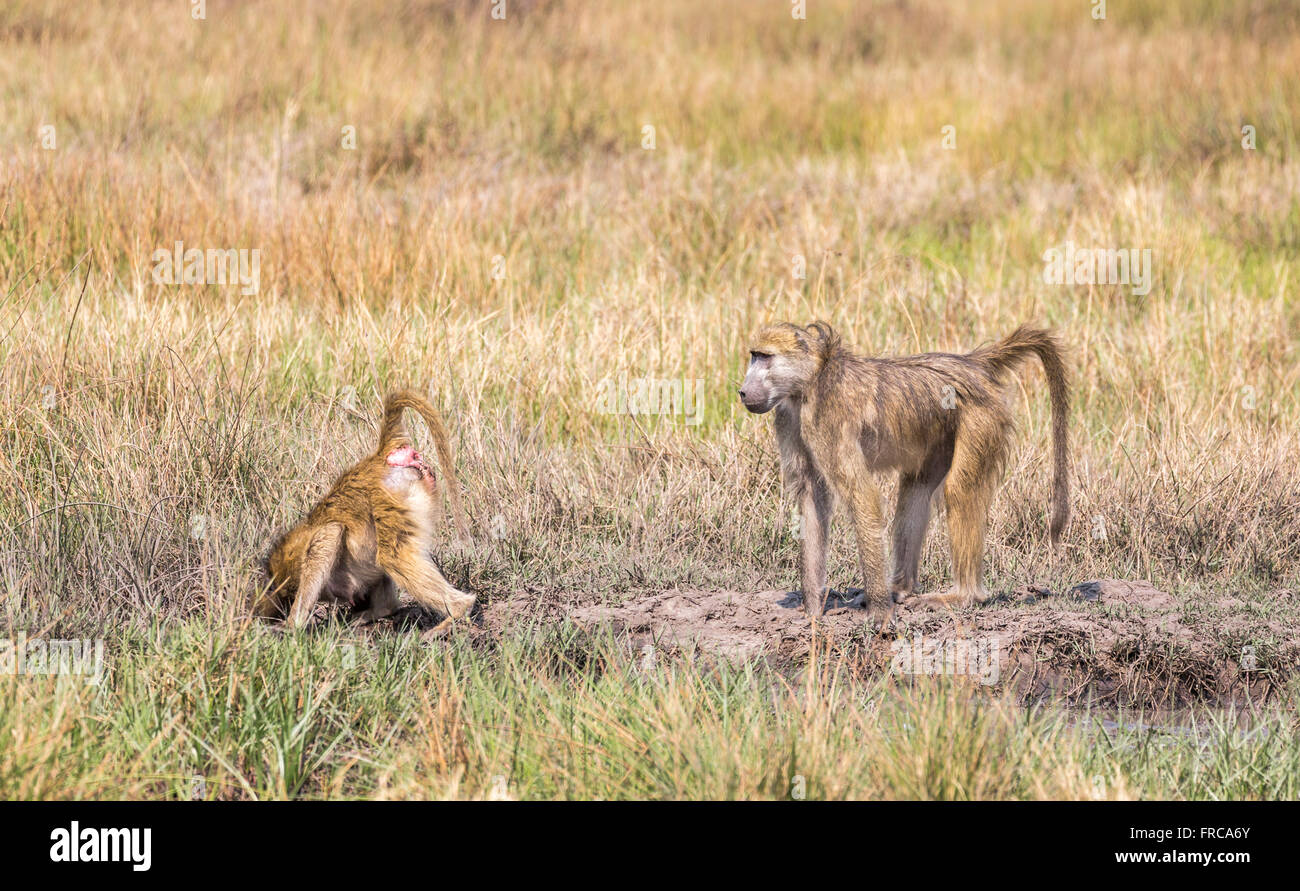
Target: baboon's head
<point>279,575</point>
<point>784,359</point>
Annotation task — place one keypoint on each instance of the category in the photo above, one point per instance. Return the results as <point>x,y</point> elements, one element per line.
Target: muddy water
<point>1199,723</point>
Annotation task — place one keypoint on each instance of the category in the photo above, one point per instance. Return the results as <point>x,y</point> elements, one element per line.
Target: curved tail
<point>1006,355</point>
<point>392,435</point>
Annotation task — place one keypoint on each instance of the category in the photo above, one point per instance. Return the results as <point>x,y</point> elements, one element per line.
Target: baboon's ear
<point>821,337</point>
<point>261,592</point>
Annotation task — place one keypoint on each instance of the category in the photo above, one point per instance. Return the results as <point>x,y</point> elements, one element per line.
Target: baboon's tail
<point>392,435</point>
<point>1006,355</point>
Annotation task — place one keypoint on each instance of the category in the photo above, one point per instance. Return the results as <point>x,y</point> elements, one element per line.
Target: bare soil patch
<point>1109,641</point>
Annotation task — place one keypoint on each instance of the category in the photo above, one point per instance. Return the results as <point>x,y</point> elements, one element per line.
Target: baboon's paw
<point>954,598</point>
<point>880,616</point>
<point>946,600</point>
<point>437,632</point>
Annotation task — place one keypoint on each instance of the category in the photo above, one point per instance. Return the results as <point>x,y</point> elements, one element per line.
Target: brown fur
<point>374,528</point>
<point>935,419</point>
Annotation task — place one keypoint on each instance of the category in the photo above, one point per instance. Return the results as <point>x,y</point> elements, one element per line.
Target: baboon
<point>372,530</point>
<point>937,418</point>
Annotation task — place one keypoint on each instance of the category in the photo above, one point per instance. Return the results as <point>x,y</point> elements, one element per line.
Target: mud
<point>1106,642</point>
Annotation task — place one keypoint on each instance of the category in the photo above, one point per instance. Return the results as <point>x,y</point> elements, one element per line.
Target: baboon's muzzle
<point>753,405</point>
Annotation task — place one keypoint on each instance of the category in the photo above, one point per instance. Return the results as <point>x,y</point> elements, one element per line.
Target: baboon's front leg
<point>869,529</point>
<point>317,564</point>
<point>855,487</point>
<point>815,519</point>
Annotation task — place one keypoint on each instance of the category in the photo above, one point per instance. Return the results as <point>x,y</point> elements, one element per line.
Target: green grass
<point>240,713</point>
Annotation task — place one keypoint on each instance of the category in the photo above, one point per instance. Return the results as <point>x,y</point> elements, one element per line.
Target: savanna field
<point>512,214</point>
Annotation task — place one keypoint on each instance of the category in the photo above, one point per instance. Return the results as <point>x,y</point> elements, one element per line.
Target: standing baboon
<point>934,418</point>
<point>373,528</point>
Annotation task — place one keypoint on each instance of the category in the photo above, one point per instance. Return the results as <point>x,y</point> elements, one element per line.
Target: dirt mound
<point>1107,641</point>
<point>1119,592</point>
<point>725,623</point>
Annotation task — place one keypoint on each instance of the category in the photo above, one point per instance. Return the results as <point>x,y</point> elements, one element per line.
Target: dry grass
<point>182,408</point>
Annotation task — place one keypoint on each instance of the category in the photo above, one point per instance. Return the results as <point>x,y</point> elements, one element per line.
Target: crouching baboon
<point>372,530</point>
<point>936,418</point>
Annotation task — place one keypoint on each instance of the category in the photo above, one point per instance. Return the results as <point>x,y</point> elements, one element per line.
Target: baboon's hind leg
<point>968,492</point>
<point>911,520</point>
<point>422,580</point>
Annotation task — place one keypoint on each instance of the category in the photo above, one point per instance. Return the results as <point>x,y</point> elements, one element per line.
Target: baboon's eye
<point>757,356</point>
